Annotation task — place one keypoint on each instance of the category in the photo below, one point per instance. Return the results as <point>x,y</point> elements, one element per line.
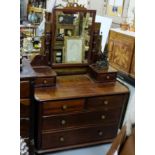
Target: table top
<point>78,86</point>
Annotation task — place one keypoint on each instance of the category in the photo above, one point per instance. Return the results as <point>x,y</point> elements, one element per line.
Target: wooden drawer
<point>24,107</point>
<point>105,102</point>
<point>78,136</point>
<point>44,82</point>
<point>24,127</point>
<point>110,77</point>
<point>81,119</point>
<point>24,89</point>
<point>53,107</point>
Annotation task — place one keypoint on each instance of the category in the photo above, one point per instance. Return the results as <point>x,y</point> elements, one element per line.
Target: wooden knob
<point>103,117</point>
<point>63,122</point>
<point>106,102</point>
<point>100,133</point>
<point>62,139</point>
<point>108,77</point>
<point>64,107</point>
<point>45,81</point>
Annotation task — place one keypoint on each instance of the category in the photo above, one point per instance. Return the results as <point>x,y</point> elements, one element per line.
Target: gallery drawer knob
<point>100,133</point>
<point>108,77</point>
<point>103,117</point>
<point>45,81</point>
<point>64,107</point>
<point>106,102</point>
<point>63,122</point>
<point>62,139</point>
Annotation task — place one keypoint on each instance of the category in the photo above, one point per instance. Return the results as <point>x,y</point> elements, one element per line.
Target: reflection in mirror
<point>72,39</point>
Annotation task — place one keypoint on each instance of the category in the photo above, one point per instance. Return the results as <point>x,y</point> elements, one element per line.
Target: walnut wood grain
<point>77,86</point>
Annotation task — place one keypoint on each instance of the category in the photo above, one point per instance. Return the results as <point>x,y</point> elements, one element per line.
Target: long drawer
<point>80,119</point>
<point>56,107</point>
<point>105,102</point>
<point>77,136</point>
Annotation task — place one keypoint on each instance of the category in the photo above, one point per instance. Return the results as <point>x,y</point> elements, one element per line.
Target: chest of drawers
<point>78,112</point>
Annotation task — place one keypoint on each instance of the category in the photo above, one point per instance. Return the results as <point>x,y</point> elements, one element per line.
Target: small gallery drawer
<point>80,119</point>
<point>44,82</point>
<point>24,89</point>
<point>53,107</point>
<point>110,77</point>
<point>78,136</point>
<point>105,102</point>
<point>24,107</point>
<point>24,127</point>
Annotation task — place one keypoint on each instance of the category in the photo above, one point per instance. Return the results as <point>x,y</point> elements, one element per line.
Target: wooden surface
<point>121,52</point>
<point>77,86</point>
<point>29,72</point>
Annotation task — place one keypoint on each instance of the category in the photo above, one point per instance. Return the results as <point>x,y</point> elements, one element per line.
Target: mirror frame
<point>71,10</point>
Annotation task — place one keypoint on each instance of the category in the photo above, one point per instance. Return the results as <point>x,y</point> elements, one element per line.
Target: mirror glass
<point>72,39</point>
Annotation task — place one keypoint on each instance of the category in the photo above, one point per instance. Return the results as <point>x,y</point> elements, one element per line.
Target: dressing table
<point>62,106</point>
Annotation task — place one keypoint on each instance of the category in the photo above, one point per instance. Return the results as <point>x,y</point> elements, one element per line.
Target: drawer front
<point>110,77</point>
<point>81,119</point>
<point>24,107</point>
<point>78,136</point>
<point>24,89</point>
<point>53,107</point>
<point>41,82</point>
<point>24,128</point>
<point>105,102</point>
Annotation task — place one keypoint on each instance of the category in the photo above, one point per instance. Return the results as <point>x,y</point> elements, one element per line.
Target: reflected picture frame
<point>73,49</point>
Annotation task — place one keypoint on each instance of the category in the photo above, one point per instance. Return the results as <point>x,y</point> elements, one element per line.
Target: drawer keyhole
<point>63,122</point>
<point>62,139</point>
<point>64,107</point>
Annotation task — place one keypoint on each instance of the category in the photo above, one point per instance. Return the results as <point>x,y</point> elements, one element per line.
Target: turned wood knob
<point>106,102</point>
<point>100,133</point>
<point>108,77</point>
<point>63,122</point>
<point>62,139</point>
<point>45,81</point>
<point>64,107</point>
<point>103,117</point>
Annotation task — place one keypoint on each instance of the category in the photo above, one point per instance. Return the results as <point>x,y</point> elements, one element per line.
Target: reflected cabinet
<point>72,35</point>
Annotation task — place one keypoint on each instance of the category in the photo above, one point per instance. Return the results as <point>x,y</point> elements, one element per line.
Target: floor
<point>102,149</point>
<point>95,150</point>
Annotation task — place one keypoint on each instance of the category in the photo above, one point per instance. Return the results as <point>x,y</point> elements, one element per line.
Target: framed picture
<point>73,50</point>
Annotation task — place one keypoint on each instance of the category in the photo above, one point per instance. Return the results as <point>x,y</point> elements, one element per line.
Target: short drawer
<point>53,107</point>
<point>44,82</point>
<point>78,136</point>
<point>105,102</point>
<point>24,89</point>
<point>24,127</point>
<point>110,77</point>
<point>24,107</point>
<point>81,119</point>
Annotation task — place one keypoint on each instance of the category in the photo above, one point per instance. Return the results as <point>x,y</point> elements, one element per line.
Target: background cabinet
<point>121,49</point>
